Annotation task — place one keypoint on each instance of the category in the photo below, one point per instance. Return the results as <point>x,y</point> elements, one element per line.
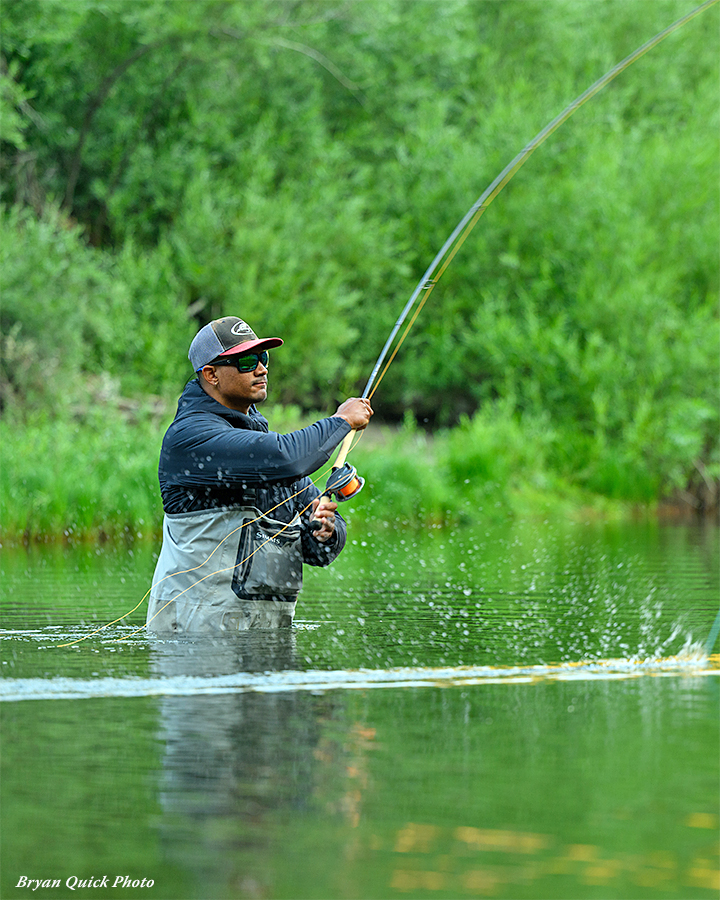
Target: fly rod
<point>345,475</point>
<point>448,250</point>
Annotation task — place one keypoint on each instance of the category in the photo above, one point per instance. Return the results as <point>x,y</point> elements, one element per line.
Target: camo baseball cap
<point>225,337</point>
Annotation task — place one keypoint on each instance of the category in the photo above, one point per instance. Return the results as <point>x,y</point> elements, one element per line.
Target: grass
<point>93,475</point>
<point>86,478</point>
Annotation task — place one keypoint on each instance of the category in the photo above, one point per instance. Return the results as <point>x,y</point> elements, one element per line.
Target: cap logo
<point>239,328</point>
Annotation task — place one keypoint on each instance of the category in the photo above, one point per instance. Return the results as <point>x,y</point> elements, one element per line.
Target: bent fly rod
<point>344,477</point>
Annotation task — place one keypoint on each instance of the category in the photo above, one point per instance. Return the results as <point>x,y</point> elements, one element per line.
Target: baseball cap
<point>225,337</point>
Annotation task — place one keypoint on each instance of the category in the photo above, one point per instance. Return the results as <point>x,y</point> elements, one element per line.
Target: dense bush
<point>299,164</point>
<point>71,314</point>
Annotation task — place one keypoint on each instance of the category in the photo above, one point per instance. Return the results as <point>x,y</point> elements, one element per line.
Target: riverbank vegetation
<point>96,477</point>
<point>299,164</point>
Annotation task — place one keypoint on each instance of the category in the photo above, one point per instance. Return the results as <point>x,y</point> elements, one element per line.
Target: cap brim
<point>258,344</point>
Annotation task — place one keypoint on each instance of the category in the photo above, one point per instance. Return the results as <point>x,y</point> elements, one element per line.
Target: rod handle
<point>344,448</point>
<point>316,524</point>
<point>338,464</point>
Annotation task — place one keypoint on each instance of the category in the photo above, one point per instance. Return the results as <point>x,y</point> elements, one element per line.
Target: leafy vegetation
<point>299,164</point>
<point>96,476</point>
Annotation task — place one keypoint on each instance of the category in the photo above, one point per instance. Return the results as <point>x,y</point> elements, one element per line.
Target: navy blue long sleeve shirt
<point>214,457</point>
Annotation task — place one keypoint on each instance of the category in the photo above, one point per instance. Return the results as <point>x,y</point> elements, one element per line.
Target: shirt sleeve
<point>203,451</point>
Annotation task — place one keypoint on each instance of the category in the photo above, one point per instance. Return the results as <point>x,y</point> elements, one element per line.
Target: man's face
<point>239,390</point>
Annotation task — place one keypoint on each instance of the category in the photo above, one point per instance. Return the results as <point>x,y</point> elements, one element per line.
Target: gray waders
<point>225,570</point>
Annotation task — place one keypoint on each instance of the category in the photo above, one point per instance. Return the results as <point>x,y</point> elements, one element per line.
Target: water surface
<point>517,711</point>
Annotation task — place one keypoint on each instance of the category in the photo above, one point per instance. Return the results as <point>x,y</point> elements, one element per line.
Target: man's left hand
<point>326,515</point>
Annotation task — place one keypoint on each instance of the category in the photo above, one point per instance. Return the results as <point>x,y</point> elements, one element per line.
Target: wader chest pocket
<point>269,560</point>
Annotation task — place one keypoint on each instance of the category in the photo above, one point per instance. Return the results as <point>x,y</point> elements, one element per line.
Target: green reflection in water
<point>516,595</point>
<point>588,788</point>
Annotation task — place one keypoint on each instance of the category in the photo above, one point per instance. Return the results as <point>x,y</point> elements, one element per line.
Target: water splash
<point>692,665</point>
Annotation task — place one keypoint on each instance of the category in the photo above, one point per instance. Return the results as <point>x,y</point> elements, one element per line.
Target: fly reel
<point>344,483</point>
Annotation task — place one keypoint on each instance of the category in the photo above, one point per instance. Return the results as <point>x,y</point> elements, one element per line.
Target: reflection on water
<point>536,858</point>
<point>607,811</point>
<point>232,760</point>
<point>458,715</point>
<point>520,595</point>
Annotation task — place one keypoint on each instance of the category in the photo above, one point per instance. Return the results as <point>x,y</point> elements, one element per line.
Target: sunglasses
<point>248,362</point>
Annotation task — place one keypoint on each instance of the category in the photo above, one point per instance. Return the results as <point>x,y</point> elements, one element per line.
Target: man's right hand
<point>356,411</point>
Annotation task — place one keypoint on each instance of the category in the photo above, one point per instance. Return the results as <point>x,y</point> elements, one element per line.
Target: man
<point>237,498</point>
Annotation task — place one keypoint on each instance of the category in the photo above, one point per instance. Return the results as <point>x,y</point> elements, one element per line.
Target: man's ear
<point>210,375</point>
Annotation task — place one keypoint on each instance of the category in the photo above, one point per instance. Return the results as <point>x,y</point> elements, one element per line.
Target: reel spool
<point>345,483</point>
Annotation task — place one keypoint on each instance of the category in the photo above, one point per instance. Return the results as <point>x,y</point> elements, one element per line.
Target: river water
<point>516,711</point>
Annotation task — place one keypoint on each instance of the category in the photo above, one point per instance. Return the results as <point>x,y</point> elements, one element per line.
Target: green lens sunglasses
<point>248,362</point>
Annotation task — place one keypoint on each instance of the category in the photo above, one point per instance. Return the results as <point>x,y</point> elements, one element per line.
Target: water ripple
<point>15,689</point>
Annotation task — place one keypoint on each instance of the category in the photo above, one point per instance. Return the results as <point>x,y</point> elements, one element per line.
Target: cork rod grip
<point>344,448</point>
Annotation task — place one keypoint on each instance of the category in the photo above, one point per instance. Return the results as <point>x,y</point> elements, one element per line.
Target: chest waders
<point>225,570</point>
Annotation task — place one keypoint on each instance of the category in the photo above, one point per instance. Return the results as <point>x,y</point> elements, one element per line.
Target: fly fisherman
<point>237,498</point>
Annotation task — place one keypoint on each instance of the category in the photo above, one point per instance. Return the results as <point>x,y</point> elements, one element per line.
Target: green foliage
<point>486,457</point>
<point>88,473</point>
<point>405,485</point>
<point>70,312</point>
<point>13,100</point>
<point>278,262</point>
<point>55,294</point>
<point>82,477</point>
<point>300,164</point>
